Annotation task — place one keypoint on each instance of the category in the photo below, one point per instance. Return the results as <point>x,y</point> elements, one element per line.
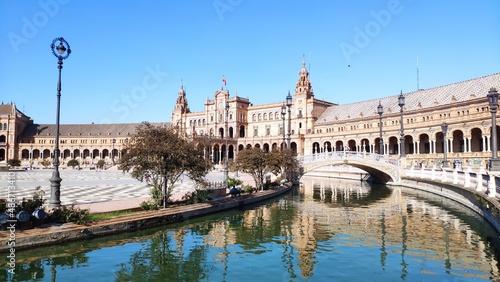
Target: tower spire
<point>303,86</point>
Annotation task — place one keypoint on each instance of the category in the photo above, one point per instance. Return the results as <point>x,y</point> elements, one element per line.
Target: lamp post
<point>283,113</point>
<point>444,129</point>
<point>289,105</point>
<point>226,164</point>
<point>380,111</point>
<point>113,151</point>
<point>62,51</point>
<point>401,103</point>
<point>493,101</point>
<point>31,156</point>
<point>80,155</point>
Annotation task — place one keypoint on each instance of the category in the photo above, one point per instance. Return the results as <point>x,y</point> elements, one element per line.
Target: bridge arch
<point>382,169</point>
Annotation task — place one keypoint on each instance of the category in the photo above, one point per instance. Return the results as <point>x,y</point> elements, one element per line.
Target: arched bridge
<point>381,168</point>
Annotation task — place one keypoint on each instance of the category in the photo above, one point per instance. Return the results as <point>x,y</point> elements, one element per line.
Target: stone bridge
<point>381,168</point>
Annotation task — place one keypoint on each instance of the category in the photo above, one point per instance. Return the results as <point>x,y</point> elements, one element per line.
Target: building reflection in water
<point>393,215</point>
<point>326,222</point>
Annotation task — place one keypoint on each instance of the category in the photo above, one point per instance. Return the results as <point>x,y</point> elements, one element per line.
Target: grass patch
<point>106,215</point>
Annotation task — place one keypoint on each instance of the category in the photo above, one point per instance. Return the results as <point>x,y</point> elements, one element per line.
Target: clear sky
<point>129,57</point>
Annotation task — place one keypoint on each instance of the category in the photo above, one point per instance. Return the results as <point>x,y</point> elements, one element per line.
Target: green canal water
<point>324,230</point>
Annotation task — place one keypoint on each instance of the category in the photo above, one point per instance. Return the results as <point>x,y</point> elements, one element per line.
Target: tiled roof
<point>6,109</point>
<point>112,129</point>
<point>425,98</point>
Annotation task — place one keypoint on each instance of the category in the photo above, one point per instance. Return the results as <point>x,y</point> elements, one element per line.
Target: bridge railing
<point>338,155</point>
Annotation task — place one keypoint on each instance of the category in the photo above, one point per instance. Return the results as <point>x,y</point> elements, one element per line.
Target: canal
<point>324,230</point>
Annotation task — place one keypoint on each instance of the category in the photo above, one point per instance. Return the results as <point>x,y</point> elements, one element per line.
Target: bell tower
<point>181,108</point>
<point>303,87</point>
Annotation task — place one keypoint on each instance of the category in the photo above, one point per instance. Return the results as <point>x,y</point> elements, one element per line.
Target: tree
<point>258,163</point>
<point>14,162</point>
<point>72,163</point>
<point>254,162</point>
<point>162,154</point>
<point>100,164</point>
<point>284,162</point>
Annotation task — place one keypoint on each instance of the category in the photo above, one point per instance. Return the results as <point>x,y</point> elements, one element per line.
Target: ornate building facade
<point>317,126</point>
<point>305,124</point>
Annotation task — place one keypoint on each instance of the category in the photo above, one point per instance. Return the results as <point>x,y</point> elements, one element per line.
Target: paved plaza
<point>89,186</point>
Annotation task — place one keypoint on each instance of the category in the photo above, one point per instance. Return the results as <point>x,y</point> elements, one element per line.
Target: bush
<point>100,164</point>
<point>65,214</point>
<point>72,163</point>
<point>14,162</point>
<point>233,182</point>
<point>36,202</point>
<point>30,205</point>
<point>248,189</point>
<point>45,163</point>
<point>149,205</point>
<point>197,196</point>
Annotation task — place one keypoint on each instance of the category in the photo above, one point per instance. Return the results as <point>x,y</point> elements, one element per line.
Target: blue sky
<point>129,57</point>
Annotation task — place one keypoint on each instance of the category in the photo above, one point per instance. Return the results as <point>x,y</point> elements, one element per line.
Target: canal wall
<point>58,233</point>
<point>478,201</point>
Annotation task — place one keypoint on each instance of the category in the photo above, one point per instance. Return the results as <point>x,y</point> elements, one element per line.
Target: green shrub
<point>197,196</point>
<point>248,189</point>
<point>100,164</point>
<point>233,182</point>
<point>149,205</point>
<point>36,202</point>
<point>14,162</point>
<point>72,163</point>
<point>30,205</point>
<point>45,163</point>
<point>65,214</point>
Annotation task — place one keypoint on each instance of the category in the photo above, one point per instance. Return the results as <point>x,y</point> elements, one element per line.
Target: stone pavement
<point>98,191</point>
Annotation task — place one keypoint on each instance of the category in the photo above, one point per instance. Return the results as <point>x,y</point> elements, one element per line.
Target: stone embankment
<point>475,190</point>
<point>58,233</point>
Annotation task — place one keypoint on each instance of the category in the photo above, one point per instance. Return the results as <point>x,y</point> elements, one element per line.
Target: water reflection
<point>326,230</point>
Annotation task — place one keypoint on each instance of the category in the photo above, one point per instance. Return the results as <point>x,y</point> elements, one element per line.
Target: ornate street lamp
<point>80,155</point>
<point>62,52</point>
<point>401,103</point>
<point>444,129</point>
<point>113,151</point>
<point>493,101</point>
<point>380,111</point>
<point>283,113</point>
<point>289,105</point>
<point>226,164</point>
